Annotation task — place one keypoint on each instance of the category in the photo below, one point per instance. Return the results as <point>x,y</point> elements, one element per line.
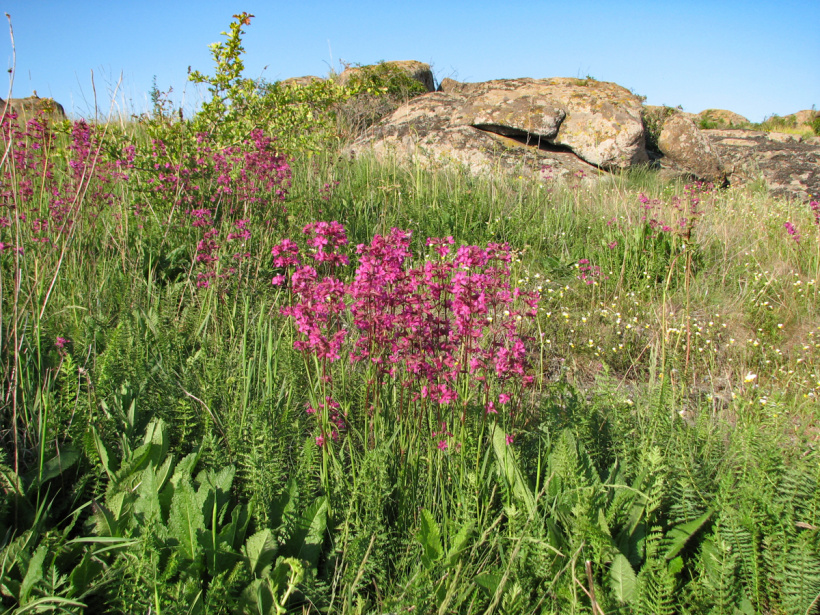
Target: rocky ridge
<point>32,106</point>
<point>548,128</point>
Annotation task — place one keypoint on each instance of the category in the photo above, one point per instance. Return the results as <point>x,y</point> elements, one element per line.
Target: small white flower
<point>750,377</point>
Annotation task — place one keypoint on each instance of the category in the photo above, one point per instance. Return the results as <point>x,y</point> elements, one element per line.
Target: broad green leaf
<point>602,523</point>
<point>156,434</point>
<point>622,579</point>
<point>206,501</point>
<point>219,556</point>
<point>284,504</point>
<point>182,472</point>
<point>164,472</point>
<point>459,544</point>
<point>257,598</point>
<point>132,464</point>
<point>285,577</point>
<point>308,533</point>
<point>220,483</point>
<point>223,479</point>
<point>55,466</point>
<point>196,604</point>
<point>430,539</point>
<point>233,533</point>
<point>675,566</point>
<point>34,573</point>
<point>119,502</point>
<point>509,468</point>
<point>147,506</point>
<point>102,453</point>
<point>105,521</point>
<point>680,534</point>
<point>488,582</point>
<point>185,468</point>
<point>259,550</point>
<point>186,520</point>
<point>85,574</point>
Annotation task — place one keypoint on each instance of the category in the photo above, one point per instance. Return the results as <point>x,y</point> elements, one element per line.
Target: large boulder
<point>601,124</point>
<point>688,149</point>
<point>721,118</point>
<point>570,125</point>
<point>790,166</point>
<point>423,132</point>
<point>417,71</point>
<point>34,106</point>
<point>301,81</point>
<point>806,116</point>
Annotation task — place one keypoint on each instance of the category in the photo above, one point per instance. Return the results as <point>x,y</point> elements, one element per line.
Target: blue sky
<point>753,57</point>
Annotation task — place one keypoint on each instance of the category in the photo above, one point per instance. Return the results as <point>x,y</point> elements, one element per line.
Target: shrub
<point>375,91</point>
<point>653,121</point>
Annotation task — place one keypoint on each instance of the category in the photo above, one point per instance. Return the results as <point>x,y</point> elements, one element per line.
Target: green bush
<point>653,121</point>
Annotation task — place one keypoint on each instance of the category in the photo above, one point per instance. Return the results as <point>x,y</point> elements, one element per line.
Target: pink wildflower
<point>792,231</point>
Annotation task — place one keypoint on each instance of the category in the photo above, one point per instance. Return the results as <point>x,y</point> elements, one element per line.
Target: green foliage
<point>653,124</point>
<point>159,458</point>
<point>231,94</point>
<point>374,91</point>
<point>303,117</point>
<point>384,79</point>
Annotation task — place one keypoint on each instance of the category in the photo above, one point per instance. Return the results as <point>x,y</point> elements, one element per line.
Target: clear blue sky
<point>752,57</point>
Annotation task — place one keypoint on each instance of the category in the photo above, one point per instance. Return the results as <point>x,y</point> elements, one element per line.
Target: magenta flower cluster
<point>689,209</point>
<point>224,192</point>
<point>791,231</point>
<point>588,273</point>
<point>450,331</point>
<point>44,193</point>
<point>221,192</point>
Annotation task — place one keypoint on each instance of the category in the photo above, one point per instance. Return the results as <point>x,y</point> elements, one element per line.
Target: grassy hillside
<point>244,374</point>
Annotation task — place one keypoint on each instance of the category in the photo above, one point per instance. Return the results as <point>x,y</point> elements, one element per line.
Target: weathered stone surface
<point>576,124</point>
<point>722,118</point>
<point>573,126</point>
<point>301,81</point>
<point>802,117</point>
<point>689,149</point>
<point>33,106</point>
<point>783,137</point>
<point>416,70</point>
<point>659,113</point>
<point>520,115</point>
<point>790,167</point>
<point>602,122</point>
<point>422,131</point>
<point>448,85</point>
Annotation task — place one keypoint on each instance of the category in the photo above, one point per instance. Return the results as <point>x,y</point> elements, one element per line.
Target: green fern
<point>720,565</point>
<point>741,537</point>
<point>656,584</point>
<point>800,575</point>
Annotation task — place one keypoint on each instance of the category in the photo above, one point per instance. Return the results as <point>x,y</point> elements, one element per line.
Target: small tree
<point>230,92</point>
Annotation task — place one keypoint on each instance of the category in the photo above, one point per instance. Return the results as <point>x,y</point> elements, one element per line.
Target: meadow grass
<point>668,437</point>
<point>238,381</point>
